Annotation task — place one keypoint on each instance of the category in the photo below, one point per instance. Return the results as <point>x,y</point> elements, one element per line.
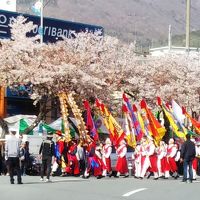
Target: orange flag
<point>116,132</point>
<point>158,131</point>
<point>194,122</point>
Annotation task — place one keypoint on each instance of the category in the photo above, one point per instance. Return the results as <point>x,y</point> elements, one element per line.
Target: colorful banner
<point>175,128</point>
<point>138,130</point>
<point>195,123</point>
<point>158,131</point>
<point>116,132</point>
<point>128,128</point>
<point>90,122</point>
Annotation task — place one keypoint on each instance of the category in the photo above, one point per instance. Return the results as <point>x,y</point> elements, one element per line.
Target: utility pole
<point>169,39</point>
<point>187,39</point>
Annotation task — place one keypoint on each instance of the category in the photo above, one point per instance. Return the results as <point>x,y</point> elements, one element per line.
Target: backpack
<point>47,149</point>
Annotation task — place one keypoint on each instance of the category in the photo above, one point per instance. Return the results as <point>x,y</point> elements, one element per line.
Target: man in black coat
<point>47,151</point>
<point>188,153</point>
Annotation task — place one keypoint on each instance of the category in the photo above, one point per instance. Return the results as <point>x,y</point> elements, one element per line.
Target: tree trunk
<point>41,115</point>
<point>4,127</point>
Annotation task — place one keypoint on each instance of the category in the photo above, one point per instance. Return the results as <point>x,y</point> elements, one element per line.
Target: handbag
<point>22,158</point>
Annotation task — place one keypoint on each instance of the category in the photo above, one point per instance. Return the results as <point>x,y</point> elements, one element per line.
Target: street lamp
<point>41,21</point>
<point>38,9</point>
<point>188,6</point>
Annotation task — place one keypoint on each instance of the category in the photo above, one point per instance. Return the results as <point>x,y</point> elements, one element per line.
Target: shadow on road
<point>55,181</point>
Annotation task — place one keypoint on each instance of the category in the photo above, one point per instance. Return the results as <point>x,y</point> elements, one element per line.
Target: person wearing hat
<point>149,159</point>
<point>161,158</point>
<point>170,161</point>
<point>73,164</point>
<point>90,152</point>
<point>198,157</point>
<point>12,153</point>
<point>47,151</point>
<point>107,150</point>
<point>137,155</point>
<point>121,165</point>
<point>195,160</point>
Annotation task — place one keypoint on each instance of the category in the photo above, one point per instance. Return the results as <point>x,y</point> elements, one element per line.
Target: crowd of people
<point>14,157</point>
<point>160,160</point>
<point>76,158</point>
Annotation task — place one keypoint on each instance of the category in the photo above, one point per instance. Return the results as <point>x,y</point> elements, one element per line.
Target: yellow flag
<point>173,124</point>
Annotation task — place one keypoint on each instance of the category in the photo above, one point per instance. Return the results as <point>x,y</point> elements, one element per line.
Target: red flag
<point>159,101</point>
<point>90,123</point>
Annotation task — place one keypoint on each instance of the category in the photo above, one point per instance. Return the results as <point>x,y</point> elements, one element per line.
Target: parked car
<point>34,165</point>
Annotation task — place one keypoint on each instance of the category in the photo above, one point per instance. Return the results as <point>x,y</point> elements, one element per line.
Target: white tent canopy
<point>13,122</point>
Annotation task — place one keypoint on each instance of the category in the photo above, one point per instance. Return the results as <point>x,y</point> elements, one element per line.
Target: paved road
<point>103,189</point>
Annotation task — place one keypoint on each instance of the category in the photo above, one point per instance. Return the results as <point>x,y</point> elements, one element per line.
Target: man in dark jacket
<point>47,150</point>
<point>188,153</point>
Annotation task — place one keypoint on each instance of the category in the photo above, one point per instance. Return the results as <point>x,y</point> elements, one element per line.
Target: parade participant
<point>177,160</point>
<point>151,153</point>
<point>59,146</point>
<point>90,152</point>
<point>73,164</point>
<point>107,150</point>
<point>145,162</point>
<point>161,159</point>
<point>12,153</point>
<point>121,166</point>
<point>188,153</point>
<point>81,157</point>
<point>63,149</point>
<point>170,162</point>
<point>195,161</point>
<point>47,151</point>
<point>97,162</point>
<point>198,157</point>
<point>137,160</point>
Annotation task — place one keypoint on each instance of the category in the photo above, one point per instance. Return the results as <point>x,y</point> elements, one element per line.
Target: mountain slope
<point>143,20</point>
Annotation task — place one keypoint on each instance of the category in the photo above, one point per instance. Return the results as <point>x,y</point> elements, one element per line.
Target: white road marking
<point>133,192</point>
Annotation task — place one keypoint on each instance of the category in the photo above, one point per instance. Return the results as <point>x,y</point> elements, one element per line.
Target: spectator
<point>1,158</point>
<point>47,150</point>
<point>12,153</point>
<point>24,157</point>
<point>188,153</point>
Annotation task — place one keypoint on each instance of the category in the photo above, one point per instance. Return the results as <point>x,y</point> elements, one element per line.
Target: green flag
<point>72,130</point>
<point>48,128</point>
<point>23,126</point>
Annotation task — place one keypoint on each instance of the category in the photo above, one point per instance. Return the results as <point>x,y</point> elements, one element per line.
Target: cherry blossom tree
<point>90,64</point>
